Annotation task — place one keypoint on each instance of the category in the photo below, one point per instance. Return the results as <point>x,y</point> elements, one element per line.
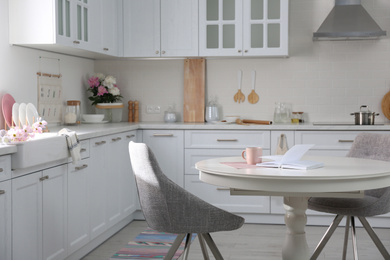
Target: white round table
<point>340,177</point>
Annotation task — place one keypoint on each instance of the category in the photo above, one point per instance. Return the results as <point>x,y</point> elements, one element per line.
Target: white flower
<point>114,91</point>
<point>101,76</point>
<point>109,82</point>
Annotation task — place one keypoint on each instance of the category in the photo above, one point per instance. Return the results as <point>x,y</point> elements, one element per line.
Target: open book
<point>292,159</point>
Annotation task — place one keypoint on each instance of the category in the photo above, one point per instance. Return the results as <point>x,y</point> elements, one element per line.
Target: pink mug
<point>252,155</point>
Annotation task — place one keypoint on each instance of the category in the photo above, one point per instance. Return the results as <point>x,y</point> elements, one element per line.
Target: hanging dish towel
<point>73,144</point>
<point>282,148</point>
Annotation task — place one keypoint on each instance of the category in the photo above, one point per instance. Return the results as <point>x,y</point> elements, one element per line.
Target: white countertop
<point>86,131</point>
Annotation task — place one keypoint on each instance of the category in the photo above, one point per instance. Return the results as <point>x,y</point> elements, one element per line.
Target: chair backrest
<point>376,147</point>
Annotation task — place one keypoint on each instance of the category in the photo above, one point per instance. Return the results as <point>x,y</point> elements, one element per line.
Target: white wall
<point>18,68</point>
<point>327,80</point>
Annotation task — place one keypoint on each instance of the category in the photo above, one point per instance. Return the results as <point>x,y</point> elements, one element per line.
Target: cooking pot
<point>364,117</point>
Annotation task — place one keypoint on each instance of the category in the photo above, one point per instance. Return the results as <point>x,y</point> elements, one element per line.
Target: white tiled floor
<point>254,241</point>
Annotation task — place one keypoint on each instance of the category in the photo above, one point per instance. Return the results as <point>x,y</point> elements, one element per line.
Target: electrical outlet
<point>153,109</point>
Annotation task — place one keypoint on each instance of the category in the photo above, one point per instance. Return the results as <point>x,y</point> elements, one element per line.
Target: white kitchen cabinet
<point>39,215</point>
<point>168,147</point>
<point>110,29</point>
<point>5,220</point>
<point>78,204</point>
<point>205,144</point>
<point>155,28</point>
<point>243,28</point>
<point>5,167</point>
<point>111,188</point>
<point>52,24</point>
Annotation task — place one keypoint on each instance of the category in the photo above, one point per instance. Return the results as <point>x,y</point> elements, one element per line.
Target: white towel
<point>73,144</point>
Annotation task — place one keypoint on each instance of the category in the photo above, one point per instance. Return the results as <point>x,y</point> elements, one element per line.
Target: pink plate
<point>7,103</point>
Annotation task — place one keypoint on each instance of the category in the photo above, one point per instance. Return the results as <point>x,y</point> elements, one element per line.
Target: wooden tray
<point>386,105</point>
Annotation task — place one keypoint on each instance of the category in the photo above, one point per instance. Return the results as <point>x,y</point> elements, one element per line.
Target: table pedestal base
<point>295,244</point>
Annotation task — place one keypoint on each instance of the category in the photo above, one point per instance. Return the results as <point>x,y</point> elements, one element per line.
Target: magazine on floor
<point>292,159</point>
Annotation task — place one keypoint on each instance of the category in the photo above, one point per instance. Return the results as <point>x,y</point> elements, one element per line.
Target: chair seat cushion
<point>364,207</point>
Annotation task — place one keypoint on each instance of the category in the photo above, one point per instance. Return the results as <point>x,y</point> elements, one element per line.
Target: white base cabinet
<point>39,215</point>
<point>5,220</point>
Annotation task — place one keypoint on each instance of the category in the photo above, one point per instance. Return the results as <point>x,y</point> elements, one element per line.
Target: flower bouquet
<point>20,134</point>
<point>103,89</point>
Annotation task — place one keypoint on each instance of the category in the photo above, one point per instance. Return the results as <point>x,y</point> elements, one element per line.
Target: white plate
<point>22,114</point>
<point>31,114</point>
<point>15,114</point>
<point>90,122</point>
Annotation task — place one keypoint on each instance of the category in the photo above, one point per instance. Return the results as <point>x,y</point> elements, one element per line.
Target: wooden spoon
<point>253,98</point>
<point>239,96</point>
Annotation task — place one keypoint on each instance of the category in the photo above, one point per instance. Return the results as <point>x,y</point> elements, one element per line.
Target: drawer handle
<point>223,188</point>
<point>76,42</point>
<point>1,169</point>
<point>44,178</point>
<point>116,139</point>
<point>106,49</point>
<point>227,140</point>
<point>345,141</point>
<point>81,167</point>
<point>162,135</point>
<point>130,136</point>
<point>2,192</point>
<point>82,150</point>
<point>100,143</point>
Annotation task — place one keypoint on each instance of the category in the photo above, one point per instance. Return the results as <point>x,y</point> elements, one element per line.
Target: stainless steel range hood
<point>348,20</point>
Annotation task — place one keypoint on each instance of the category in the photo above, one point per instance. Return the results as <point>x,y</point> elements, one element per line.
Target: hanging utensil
<point>239,96</point>
<point>253,98</point>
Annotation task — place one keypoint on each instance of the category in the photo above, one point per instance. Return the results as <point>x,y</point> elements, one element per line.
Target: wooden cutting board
<point>194,90</point>
<point>386,105</point>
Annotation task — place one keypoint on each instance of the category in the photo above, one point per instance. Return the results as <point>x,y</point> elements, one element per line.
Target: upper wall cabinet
<point>243,28</point>
<point>55,24</point>
<point>160,28</point>
<point>110,31</point>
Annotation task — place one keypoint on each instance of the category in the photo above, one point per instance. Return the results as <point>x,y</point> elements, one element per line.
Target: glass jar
<point>297,117</point>
<point>72,112</point>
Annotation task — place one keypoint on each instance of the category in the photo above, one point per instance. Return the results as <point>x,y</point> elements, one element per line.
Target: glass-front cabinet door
<point>220,27</point>
<point>243,28</point>
<point>265,27</point>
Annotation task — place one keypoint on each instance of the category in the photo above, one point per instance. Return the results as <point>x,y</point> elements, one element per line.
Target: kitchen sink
<point>43,148</point>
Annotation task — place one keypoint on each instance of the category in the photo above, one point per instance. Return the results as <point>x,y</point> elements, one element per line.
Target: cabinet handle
<point>2,192</point>
<point>239,51</point>
<point>157,52</point>
<point>162,135</point>
<point>44,178</point>
<point>1,169</point>
<point>246,51</point>
<point>106,49</point>
<point>345,141</point>
<point>116,139</point>
<point>130,136</point>
<point>163,52</point>
<point>223,188</point>
<point>76,42</point>
<point>100,143</point>
<point>82,150</point>
<point>227,140</point>
<point>81,167</point>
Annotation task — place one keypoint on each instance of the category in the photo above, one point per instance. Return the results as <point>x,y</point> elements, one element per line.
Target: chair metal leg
<point>326,236</point>
<point>212,246</point>
<point>187,246</point>
<point>203,247</point>
<point>355,252</point>
<point>346,233</point>
<point>174,247</point>
<point>374,238</point>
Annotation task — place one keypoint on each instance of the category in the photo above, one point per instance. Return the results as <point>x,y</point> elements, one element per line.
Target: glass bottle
<point>72,112</point>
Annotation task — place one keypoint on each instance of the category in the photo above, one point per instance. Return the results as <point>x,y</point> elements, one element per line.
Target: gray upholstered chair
<point>167,207</point>
<point>375,202</point>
